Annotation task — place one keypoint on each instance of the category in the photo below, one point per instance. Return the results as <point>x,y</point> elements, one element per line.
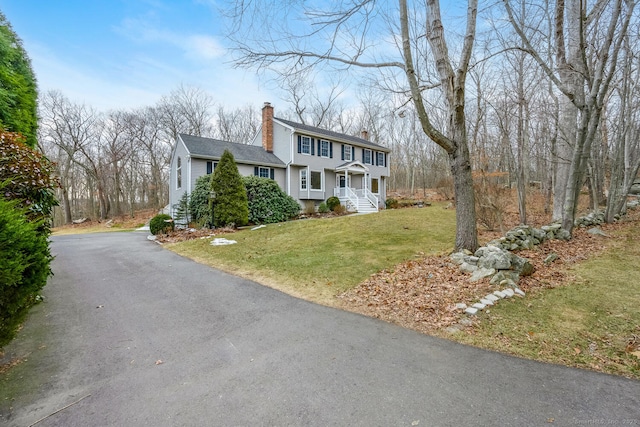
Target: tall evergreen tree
<point>230,204</point>
<point>18,88</point>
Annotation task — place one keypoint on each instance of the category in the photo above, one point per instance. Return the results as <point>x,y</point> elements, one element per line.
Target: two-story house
<point>309,163</point>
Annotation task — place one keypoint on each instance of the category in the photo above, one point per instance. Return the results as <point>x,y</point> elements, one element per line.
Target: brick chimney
<point>364,134</point>
<point>267,127</point>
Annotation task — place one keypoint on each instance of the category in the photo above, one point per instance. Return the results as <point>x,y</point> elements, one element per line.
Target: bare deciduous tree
<point>346,35</point>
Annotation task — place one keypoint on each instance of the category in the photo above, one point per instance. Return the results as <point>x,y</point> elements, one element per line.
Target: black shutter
<point>363,155</point>
<point>313,143</point>
<point>331,150</point>
<point>342,151</point>
<point>299,144</point>
<point>377,163</point>
<point>255,171</point>
<point>319,148</point>
<point>272,173</point>
<point>353,153</point>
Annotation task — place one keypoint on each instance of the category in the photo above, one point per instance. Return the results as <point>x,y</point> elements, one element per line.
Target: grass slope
<point>317,259</point>
<point>592,323</point>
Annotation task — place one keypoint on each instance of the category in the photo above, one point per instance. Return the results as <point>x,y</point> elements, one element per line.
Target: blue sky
<point>128,53</point>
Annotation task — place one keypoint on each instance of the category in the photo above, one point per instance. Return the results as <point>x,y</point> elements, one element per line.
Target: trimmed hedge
<point>267,202</point>
<point>25,266</point>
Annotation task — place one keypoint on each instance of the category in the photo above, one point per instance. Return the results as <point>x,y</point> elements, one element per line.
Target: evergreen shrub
<point>199,205</point>
<point>161,223</point>
<point>391,203</point>
<point>267,202</point>
<point>332,202</point>
<point>230,206</point>
<point>25,265</point>
<point>323,208</point>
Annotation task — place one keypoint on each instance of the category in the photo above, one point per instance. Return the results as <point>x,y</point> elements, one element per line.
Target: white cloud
<point>193,46</point>
<point>202,47</point>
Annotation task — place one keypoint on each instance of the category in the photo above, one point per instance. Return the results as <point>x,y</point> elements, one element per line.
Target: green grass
<point>318,258</point>
<point>587,324</point>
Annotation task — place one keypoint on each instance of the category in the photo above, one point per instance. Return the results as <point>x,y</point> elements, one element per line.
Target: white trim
<point>189,174</point>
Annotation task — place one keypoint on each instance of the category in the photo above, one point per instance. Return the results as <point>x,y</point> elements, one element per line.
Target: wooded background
<point>550,99</point>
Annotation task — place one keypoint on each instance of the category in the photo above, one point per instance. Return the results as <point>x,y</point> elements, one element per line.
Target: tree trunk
<point>466,228</point>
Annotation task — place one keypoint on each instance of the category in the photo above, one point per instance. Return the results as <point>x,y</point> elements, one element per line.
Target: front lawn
<point>592,322</point>
<point>316,259</point>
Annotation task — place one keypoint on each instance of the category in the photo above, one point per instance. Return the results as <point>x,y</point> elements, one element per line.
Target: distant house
<point>309,163</point>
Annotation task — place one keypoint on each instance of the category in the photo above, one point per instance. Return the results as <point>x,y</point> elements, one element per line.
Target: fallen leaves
<point>422,293</point>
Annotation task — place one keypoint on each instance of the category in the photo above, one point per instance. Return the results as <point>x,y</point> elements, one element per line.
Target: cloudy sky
<point>128,53</point>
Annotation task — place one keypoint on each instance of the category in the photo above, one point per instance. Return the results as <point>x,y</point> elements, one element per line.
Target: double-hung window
<point>379,158</point>
<point>305,145</point>
<point>366,156</point>
<point>324,148</point>
<point>346,153</point>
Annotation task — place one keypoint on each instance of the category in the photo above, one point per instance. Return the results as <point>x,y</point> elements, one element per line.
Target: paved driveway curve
<point>235,353</point>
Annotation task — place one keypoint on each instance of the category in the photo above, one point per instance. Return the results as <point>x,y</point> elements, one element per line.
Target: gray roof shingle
<point>213,149</point>
<point>331,134</point>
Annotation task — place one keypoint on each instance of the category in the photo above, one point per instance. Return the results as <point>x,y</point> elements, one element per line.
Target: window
<point>346,152</point>
<point>324,149</point>
<point>366,156</point>
<point>374,185</point>
<point>305,145</point>
<point>179,174</point>
<point>303,179</point>
<point>316,180</point>
<point>380,159</point>
<point>210,167</point>
<point>263,172</point>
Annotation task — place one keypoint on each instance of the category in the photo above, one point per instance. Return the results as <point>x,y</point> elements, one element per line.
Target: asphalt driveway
<point>131,334</point>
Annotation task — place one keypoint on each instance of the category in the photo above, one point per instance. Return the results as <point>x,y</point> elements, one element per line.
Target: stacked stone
<point>593,218</point>
<point>526,237</point>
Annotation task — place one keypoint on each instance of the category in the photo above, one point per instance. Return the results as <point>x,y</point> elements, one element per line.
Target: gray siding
<point>176,193</point>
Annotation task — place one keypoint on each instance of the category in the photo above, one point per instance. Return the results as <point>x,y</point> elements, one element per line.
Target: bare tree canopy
<point>369,34</point>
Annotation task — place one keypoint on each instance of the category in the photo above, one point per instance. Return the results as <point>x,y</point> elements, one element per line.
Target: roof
<point>299,127</point>
<point>214,148</point>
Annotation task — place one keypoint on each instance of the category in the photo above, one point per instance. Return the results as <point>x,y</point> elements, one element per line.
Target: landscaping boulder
<point>521,265</point>
<point>495,258</point>
<point>505,277</point>
<point>481,273</point>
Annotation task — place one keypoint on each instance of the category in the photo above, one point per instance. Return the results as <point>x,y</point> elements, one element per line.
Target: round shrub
<point>332,202</point>
<point>391,203</point>
<point>161,223</point>
<point>267,202</point>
